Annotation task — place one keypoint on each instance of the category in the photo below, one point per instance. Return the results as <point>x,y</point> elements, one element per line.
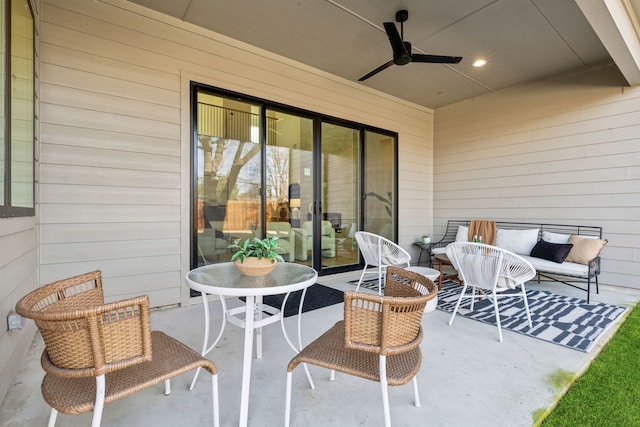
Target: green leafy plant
<point>266,248</point>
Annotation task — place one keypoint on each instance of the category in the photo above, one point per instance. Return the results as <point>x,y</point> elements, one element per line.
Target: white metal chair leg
<point>206,349</point>
<point>526,305</point>
<point>416,395</point>
<point>167,387</point>
<point>99,403</point>
<point>214,394</point>
<point>52,418</point>
<point>455,310</point>
<point>364,270</point>
<point>332,375</point>
<point>287,404</point>
<point>495,307</point>
<point>385,392</point>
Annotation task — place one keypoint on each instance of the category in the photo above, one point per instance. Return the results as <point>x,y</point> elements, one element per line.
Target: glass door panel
<point>289,184</point>
<point>339,195</point>
<point>228,163</point>
<point>380,184</point>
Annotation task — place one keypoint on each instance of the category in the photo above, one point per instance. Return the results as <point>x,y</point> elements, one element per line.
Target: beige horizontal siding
<point>115,137</point>
<point>19,260</point>
<point>563,151</point>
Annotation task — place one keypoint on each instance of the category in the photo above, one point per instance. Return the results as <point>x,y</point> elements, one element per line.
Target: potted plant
<point>426,239</point>
<point>255,257</point>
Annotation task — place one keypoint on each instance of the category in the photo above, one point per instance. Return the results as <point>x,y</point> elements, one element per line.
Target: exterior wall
<point>115,138</point>
<point>18,268</point>
<point>565,151</point>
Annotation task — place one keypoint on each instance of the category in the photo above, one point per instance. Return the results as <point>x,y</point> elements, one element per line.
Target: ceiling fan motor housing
<point>405,57</point>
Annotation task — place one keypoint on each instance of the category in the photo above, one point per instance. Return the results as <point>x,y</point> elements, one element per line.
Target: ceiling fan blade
<point>394,38</point>
<point>435,59</point>
<point>376,71</point>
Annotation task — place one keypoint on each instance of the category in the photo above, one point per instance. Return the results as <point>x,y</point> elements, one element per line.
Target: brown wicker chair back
<point>388,324</point>
<point>83,334</point>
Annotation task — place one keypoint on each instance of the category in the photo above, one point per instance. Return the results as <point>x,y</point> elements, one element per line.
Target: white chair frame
<point>492,269</point>
<point>380,252</point>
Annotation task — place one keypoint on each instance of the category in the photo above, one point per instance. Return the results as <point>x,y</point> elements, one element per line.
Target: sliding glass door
<point>289,172</point>
<point>262,170</point>
<point>380,181</point>
<point>228,169</point>
<point>339,189</point>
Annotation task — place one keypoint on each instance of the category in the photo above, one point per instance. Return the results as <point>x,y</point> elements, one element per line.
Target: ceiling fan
<point>402,49</point>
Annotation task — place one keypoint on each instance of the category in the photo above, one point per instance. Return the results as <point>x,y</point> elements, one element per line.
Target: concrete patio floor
<point>468,378</point>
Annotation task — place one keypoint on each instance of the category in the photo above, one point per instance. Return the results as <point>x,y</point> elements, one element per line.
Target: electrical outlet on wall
<point>14,321</point>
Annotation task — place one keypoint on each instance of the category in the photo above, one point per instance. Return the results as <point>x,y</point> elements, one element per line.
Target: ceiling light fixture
<point>479,63</point>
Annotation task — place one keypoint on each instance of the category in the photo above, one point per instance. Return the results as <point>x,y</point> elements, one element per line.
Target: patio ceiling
<point>522,40</point>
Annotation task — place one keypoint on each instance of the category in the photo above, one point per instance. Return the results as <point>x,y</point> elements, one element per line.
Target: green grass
<point>608,393</point>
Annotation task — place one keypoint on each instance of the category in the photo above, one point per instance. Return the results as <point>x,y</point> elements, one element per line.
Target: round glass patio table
<point>224,279</point>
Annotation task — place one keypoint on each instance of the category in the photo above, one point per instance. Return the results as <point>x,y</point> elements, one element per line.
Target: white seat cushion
<point>439,251</point>
<point>517,241</point>
<point>566,268</point>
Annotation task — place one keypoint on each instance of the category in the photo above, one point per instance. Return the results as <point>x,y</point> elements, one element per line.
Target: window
<point>16,109</point>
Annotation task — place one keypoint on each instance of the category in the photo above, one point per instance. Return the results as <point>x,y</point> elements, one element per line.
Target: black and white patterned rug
<point>566,321</point>
<point>371,284</point>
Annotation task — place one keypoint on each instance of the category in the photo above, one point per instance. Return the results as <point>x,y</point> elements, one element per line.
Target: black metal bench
<point>547,275</point>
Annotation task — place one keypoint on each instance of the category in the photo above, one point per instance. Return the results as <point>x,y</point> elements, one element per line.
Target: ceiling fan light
<point>481,62</point>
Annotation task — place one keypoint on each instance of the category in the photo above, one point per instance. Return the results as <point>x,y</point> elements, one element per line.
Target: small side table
<point>431,274</point>
<point>424,247</point>
<point>444,260</point>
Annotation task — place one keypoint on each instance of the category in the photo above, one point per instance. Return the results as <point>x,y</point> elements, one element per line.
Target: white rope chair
<point>492,269</point>
<point>379,252</point>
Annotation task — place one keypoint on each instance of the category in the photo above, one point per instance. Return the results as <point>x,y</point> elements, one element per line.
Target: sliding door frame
<point>318,119</point>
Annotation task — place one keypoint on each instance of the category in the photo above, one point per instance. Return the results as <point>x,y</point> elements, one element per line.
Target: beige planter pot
<point>255,266</point>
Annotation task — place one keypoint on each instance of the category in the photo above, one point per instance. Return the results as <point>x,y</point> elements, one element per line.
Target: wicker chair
<point>379,338</point>
<point>96,353</point>
<point>493,269</point>
<point>380,252</point>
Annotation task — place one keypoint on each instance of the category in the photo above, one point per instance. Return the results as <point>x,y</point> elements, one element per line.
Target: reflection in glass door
<point>380,213</point>
<point>339,190</point>
<point>228,175</point>
<point>289,184</point>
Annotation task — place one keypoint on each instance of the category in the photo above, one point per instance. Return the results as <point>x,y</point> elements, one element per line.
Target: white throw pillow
<point>463,234</point>
<point>550,237</point>
<point>517,241</point>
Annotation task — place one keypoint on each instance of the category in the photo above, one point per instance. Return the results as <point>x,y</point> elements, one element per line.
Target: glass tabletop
<point>225,279</point>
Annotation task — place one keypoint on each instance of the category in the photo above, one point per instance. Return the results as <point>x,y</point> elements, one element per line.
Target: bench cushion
<point>520,242</point>
<point>566,268</point>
